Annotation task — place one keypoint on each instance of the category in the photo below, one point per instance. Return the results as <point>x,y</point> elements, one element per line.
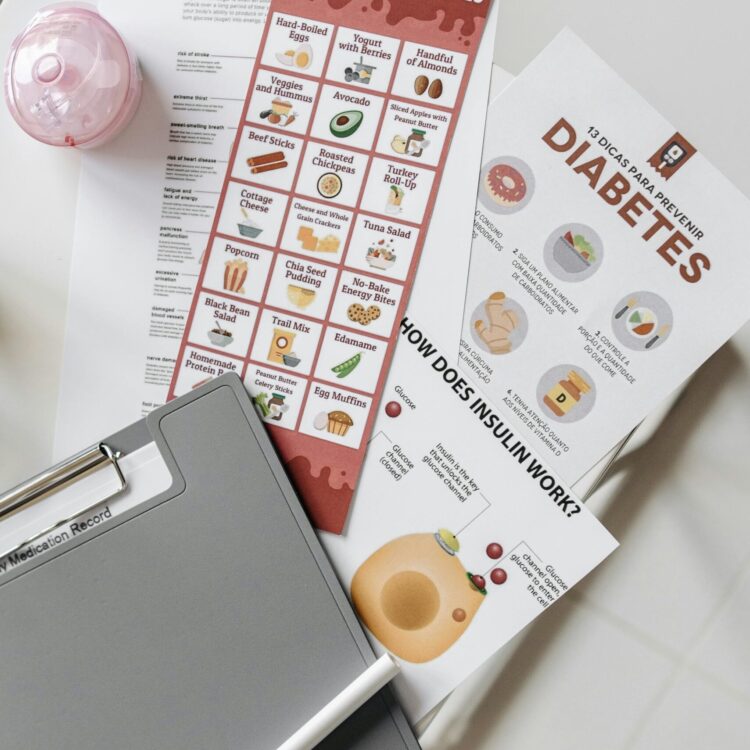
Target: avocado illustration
<point>346,123</point>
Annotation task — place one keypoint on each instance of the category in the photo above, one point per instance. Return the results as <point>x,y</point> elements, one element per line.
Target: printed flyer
<point>460,534</point>
<point>316,239</point>
<point>608,259</point>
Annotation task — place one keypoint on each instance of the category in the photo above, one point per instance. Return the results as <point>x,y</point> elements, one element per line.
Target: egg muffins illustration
<point>415,596</point>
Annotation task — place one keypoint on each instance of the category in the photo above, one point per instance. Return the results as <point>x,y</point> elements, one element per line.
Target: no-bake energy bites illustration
<point>415,596</point>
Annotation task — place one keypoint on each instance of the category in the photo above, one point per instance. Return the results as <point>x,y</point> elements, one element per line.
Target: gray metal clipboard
<point>207,618</point>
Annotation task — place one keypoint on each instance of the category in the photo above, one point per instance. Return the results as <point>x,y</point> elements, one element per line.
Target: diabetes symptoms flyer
<point>608,258</point>
<point>460,534</point>
<point>327,197</point>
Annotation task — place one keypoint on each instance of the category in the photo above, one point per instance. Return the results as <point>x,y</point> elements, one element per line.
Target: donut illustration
<point>505,185</point>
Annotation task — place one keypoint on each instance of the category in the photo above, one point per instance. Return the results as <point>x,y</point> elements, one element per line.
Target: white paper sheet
<point>442,458</point>
<point>145,206</point>
<point>608,259</point>
<point>147,200</point>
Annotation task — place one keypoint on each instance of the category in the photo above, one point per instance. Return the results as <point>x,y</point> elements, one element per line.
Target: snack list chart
<point>318,230</point>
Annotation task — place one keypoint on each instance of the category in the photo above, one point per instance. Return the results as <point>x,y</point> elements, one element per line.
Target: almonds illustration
<point>436,89</point>
<point>421,83</point>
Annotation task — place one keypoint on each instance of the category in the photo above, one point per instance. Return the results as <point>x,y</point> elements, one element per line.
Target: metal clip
<point>54,479</point>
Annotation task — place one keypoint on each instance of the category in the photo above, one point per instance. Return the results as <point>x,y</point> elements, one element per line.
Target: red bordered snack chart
<point>328,193</point>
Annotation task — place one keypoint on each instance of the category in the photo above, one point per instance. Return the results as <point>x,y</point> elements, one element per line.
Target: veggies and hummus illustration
<point>281,113</point>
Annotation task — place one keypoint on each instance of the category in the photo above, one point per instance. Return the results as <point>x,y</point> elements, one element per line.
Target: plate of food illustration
<point>573,252</point>
<point>506,185</point>
<point>642,321</point>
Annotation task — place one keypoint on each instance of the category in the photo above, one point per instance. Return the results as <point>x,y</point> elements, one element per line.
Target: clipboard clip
<point>54,479</point>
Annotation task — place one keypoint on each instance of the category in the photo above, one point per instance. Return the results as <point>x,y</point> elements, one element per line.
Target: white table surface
<point>651,651</point>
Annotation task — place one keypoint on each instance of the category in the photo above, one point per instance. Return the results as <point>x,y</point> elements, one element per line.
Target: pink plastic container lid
<point>70,80</point>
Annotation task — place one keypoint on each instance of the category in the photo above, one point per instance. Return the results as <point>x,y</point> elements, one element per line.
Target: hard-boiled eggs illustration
<point>300,58</point>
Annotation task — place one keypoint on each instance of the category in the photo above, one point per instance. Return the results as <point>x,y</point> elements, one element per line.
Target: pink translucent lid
<point>69,79</point>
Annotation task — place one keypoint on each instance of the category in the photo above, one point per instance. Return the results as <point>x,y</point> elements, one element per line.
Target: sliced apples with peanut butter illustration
<point>415,596</point>
<point>412,145</point>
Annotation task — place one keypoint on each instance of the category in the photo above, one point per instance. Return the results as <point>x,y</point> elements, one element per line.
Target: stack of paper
<point>606,265</point>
